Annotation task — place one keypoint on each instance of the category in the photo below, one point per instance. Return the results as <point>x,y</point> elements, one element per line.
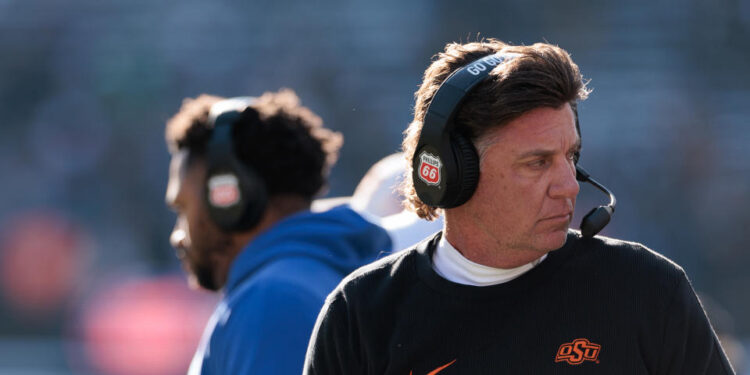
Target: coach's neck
<point>480,244</point>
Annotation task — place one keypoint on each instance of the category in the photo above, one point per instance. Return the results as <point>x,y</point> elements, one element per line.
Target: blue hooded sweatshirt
<point>276,287</point>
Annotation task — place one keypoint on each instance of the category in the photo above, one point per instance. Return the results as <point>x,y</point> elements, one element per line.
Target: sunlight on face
<point>527,187</point>
<point>195,238</point>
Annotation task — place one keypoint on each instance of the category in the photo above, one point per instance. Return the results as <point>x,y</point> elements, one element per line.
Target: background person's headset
<point>235,195</point>
<point>445,164</point>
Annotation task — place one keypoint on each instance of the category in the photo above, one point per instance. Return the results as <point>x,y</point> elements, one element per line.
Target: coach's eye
<point>538,163</point>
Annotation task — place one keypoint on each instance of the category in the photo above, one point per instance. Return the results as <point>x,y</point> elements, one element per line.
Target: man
<point>243,174</point>
<point>506,287</point>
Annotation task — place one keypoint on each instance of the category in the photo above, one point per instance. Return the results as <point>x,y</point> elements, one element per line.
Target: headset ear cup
<point>244,196</point>
<point>467,161</point>
<point>223,197</point>
<point>254,197</point>
<point>234,193</point>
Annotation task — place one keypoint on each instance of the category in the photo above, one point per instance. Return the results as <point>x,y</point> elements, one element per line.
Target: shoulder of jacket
<point>622,253</point>
<point>370,277</point>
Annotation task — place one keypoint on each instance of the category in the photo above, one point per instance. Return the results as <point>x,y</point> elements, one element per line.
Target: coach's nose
<point>564,183</point>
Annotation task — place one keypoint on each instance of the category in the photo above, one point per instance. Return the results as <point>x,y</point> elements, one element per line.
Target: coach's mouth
<point>567,216</point>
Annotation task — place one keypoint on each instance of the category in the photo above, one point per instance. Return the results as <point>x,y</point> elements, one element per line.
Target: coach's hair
<point>542,76</point>
<point>284,142</point>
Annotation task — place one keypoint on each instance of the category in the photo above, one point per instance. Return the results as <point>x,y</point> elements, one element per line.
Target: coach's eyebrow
<point>547,152</point>
<point>536,153</point>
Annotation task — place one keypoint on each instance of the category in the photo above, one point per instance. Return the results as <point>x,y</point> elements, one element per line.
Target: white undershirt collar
<point>451,264</point>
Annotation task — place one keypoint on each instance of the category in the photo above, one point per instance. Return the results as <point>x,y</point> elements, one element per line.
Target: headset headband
<point>222,115</point>
<point>448,99</point>
<point>236,104</point>
<point>235,195</point>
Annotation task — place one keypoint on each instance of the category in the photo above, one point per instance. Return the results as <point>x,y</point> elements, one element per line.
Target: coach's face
<point>527,186</point>
<point>197,240</point>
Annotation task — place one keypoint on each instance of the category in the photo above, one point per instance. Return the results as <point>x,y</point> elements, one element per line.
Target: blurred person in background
<point>378,198</point>
<point>724,325</point>
<point>507,287</point>
<point>379,193</point>
<point>242,177</point>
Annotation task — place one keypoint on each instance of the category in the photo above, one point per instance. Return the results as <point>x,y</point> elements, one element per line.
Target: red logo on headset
<point>223,190</point>
<point>429,168</point>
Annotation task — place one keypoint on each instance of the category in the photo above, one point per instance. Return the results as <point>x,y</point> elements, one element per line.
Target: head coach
<point>242,177</point>
<point>507,287</point>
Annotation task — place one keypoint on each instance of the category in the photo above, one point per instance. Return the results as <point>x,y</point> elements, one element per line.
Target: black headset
<point>445,164</point>
<point>235,195</point>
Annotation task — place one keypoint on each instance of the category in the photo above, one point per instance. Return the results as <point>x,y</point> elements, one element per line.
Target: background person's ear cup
<point>223,184</point>
<point>235,195</point>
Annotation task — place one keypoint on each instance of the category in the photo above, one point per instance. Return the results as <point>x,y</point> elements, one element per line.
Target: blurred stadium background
<point>89,283</point>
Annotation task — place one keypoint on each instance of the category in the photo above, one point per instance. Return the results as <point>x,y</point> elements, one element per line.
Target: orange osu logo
<point>578,351</point>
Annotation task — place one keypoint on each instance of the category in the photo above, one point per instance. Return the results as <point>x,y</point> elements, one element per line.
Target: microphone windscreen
<point>595,221</point>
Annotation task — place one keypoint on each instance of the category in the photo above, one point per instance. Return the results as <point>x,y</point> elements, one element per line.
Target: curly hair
<point>542,76</point>
<point>284,142</point>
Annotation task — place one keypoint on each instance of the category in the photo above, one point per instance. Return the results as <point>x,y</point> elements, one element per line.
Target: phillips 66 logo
<point>429,168</point>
